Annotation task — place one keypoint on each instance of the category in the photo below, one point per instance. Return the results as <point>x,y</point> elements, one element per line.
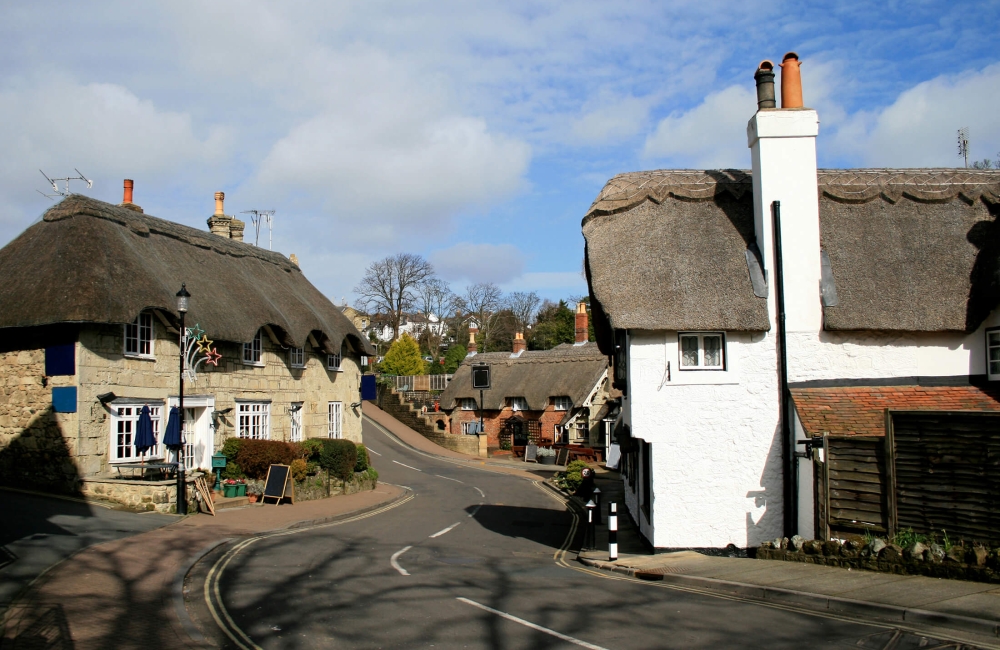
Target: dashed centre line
<point>481,493</point>
<point>407,466</point>
<point>372,451</point>
<point>448,478</point>
<point>533,626</point>
<point>442,532</point>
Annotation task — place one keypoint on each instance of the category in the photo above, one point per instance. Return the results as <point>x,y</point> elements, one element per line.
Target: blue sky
<point>476,134</point>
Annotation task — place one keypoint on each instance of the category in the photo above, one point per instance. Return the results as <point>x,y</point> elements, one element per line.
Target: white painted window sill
<point>140,357</point>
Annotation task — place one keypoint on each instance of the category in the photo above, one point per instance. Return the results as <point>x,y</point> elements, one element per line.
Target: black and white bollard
<point>590,538</point>
<point>612,531</point>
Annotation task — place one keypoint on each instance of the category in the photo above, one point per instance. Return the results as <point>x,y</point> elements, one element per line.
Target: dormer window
<point>518,404</point>
<point>297,357</point>
<point>702,350</point>
<point>993,354</point>
<point>468,404</point>
<point>562,403</point>
<point>139,337</point>
<point>333,362</point>
<point>252,351</point>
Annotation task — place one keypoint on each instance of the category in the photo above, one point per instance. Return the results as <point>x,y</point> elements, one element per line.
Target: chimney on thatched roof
<point>520,345</point>
<point>222,224</point>
<point>472,348</point>
<point>127,197</point>
<point>791,81</point>
<point>582,326</point>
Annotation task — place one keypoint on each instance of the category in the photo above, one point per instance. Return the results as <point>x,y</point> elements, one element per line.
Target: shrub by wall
<point>362,463</point>
<point>255,456</point>
<point>339,458</point>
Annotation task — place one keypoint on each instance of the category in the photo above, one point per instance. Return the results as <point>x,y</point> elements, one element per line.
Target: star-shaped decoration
<point>195,332</point>
<point>212,356</point>
<point>204,344</point>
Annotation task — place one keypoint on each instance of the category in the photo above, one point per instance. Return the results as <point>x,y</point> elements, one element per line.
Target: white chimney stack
<point>782,142</point>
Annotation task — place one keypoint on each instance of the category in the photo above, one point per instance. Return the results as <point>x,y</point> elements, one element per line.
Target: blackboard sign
<point>562,456</point>
<point>531,454</point>
<point>275,484</point>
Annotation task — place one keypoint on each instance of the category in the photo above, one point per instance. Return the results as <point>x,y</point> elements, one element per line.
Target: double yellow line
<point>212,592</point>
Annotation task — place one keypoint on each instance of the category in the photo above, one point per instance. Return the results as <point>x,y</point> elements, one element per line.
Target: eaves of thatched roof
<point>88,261</point>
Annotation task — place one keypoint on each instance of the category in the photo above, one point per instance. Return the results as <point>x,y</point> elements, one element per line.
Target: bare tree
<point>434,297</point>
<point>523,306</point>
<point>483,301</point>
<point>391,285</point>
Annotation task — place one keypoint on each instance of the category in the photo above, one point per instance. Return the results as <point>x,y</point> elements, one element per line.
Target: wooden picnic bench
<point>160,468</point>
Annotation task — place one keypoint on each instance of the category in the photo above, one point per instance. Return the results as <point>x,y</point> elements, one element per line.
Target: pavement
<point>125,593</point>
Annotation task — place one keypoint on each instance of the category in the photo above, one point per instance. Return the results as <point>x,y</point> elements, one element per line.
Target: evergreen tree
<point>454,357</point>
<point>403,357</point>
<point>555,324</point>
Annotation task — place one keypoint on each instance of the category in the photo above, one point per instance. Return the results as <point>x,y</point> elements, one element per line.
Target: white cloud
<point>499,263</point>
<point>919,128</point>
<point>550,284</point>
<point>710,135</point>
<point>610,119</point>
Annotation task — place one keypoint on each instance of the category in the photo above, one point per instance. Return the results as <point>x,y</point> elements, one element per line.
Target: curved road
<point>472,560</point>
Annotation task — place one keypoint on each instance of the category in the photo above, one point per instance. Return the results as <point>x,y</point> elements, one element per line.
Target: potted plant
<point>253,493</point>
<point>546,456</point>
<point>234,487</point>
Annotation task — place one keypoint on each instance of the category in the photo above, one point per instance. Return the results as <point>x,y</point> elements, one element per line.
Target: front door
<point>199,434</point>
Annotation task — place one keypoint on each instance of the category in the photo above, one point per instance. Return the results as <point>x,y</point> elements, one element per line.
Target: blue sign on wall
<point>60,360</point>
<point>368,391</point>
<point>64,399</point>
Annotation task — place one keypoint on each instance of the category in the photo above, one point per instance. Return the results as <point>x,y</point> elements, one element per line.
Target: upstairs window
<point>563,403</point>
<point>702,350</point>
<point>333,362</point>
<point>468,404</point>
<point>139,336</point>
<point>518,404</point>
<point>297,358</point>
<point>252,351</point>
<point>993,354</point>
<point>254,420</point>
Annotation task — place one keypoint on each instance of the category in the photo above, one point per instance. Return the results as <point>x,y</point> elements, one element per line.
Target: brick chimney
<point>520,345</point>
<point>218,223</point>
<point>582,326</point>
<point>127,198</point>
<point>472,348</point>
<point>236,228</point>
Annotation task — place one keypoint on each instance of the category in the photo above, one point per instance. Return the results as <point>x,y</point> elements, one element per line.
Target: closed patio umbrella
<point>172,436</point>
<point>144,437</point>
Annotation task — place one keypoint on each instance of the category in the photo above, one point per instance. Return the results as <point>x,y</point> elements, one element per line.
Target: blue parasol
<point>144,437</point>
<point>172,437</point>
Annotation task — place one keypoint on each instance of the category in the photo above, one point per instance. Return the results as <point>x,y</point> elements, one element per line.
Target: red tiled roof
<point>860,410</point>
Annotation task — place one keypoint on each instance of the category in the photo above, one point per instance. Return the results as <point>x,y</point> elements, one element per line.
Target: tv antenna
<point>258,217</point>
<point>54,182</point>
<point>963,144</point>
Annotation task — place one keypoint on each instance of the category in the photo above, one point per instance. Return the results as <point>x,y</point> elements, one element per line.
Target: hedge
<point>363,462</point>
<point>339,458</point>
<point>255,456</point>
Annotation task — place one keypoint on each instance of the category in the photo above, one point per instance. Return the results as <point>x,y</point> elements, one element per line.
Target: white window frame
<point>333,362</point>
<point>700,364</point>
<point>518,404</point>
<point>295,422</point>
<point>297,357</point>
<point>993,353</point>
<point>124,417</point>
<point>253,420</point>
<point>139,333</point>
<point>470,427</point>
<point>335,420</point>
<point>253,352</point>
<point>562,403</point>
<point>188,437</point>
<point>468,404</point>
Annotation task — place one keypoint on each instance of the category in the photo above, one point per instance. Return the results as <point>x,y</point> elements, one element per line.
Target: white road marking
<point>442,532</point>
<point>395,564</point>
<point>475,510</point>
<point>374,452</point>
<point>481,493</point>
<point>509,617</point>
<point>449,478</point>
<point>407,466</point>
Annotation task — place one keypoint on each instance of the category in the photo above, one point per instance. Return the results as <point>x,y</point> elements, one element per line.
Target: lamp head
<point>182,299</point>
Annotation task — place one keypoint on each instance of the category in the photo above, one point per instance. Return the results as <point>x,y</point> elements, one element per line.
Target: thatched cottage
<point>90,336</point>
<point>752,362</point>
<point>562,395</point>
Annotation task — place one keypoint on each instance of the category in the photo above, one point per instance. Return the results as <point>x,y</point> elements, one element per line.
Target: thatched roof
<point>910,250</point>
<point>88,261</point>
<point>566,370</point>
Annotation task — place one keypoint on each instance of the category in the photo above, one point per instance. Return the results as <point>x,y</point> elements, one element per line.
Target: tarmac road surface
<point>475,559</point>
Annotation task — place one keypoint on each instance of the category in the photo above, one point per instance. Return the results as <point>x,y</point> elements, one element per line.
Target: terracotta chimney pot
<point>220,197</point>
<point>520,345</point>
<point>582,326</point>
<point>128,191</point>
<point>791,81</point>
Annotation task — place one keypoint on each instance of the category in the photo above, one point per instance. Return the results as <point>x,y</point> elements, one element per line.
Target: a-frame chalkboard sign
<point>531,454</point>
<point>278,485</point>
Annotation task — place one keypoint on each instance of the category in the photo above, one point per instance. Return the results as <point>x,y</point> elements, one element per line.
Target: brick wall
<point>436,427</point>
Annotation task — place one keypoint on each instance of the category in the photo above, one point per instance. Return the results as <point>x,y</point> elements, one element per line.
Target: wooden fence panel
<point>854,494</point>
<point>946,470</point>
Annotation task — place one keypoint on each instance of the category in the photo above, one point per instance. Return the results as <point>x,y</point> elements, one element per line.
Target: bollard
<point>597,503</point>
<point>612,531</point>
<point>590,537</point>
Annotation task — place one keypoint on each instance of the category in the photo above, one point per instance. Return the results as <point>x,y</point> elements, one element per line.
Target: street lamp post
<point>182,308</point>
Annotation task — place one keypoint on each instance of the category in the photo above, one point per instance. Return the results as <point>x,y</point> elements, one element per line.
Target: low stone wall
<point>315,487</point>
<point>159,496</point>
<point>977,563</point>
<point>395,405</point>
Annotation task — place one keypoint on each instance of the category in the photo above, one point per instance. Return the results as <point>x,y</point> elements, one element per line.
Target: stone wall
<point>426,424</point>
<point>316,487</point>
<point>159,496</point>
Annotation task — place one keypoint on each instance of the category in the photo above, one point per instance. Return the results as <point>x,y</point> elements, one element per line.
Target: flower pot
<point>547,460</point>
<point>252,498</point>
<point>230,490</point>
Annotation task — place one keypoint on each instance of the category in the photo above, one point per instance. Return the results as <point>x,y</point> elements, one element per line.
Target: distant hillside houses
<point>413,324</point>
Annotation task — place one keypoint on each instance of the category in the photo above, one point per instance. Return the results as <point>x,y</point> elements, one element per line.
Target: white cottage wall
<point>716,448</point>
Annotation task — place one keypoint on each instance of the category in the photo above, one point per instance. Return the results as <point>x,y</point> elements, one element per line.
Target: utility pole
<point>963,144</point>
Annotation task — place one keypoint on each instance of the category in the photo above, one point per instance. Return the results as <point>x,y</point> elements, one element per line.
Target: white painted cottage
<point>890,284</point>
